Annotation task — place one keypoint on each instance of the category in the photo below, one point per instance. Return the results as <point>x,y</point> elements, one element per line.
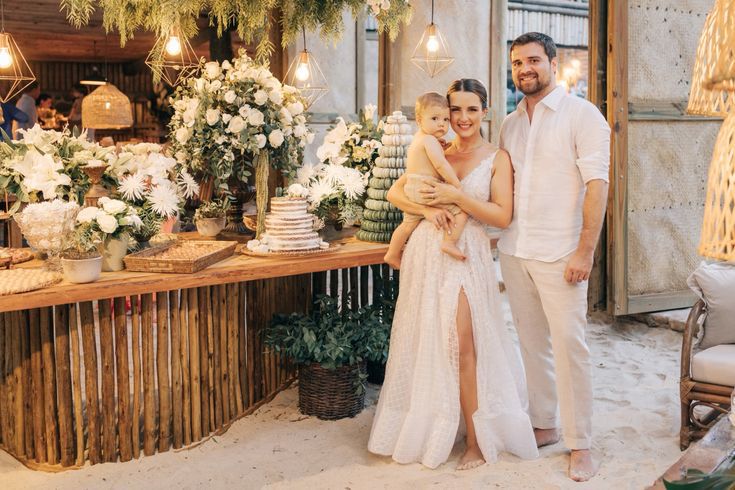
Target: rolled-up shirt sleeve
<point>592,144</point>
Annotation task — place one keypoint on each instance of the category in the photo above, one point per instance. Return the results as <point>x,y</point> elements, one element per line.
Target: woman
<point>450,351</point>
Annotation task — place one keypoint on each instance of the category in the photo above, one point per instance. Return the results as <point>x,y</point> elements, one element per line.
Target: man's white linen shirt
<point>554,156</point>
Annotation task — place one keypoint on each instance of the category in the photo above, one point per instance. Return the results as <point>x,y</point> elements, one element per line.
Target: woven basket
<point>330,394</point>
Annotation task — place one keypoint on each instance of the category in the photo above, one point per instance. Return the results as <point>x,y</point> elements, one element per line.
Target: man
<point>10,114</point>
<point>27,104</point>
<point>560,148</point>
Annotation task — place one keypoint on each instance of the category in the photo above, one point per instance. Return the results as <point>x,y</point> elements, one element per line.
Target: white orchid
<point>41,173</point>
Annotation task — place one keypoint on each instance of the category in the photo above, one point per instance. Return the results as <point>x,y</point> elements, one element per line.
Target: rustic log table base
<point>107,379</point>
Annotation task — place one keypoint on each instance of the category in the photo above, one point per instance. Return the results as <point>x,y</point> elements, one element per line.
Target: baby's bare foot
<point>393,260</point>
<point>581,465</point>
<point>472,458</point>
<point>451,248</point>
<point>546,437</point>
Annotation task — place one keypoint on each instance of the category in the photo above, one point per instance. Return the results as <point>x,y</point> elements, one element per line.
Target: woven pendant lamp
<point>708,100</point>
<point>107,108</point>
<point>722,71</point>
<point>15,74</point>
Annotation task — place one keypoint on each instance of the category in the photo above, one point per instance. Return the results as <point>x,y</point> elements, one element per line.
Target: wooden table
<point>705,454</point>
<point>96,372</point>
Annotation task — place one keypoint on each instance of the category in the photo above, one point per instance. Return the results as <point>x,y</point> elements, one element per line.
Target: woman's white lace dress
<point>418,413</point>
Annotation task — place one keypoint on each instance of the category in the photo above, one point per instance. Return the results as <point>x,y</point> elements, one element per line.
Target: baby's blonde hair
<point>430,99</point>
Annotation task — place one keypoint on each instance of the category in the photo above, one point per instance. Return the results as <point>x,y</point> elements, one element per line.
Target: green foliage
<point>252,18</point>
<point>723,478</point>
<point>84,242</point>
<point>333,337</point>
<point>213,209</point>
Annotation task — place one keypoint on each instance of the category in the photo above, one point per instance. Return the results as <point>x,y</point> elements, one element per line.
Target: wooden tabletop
<point>238,268</point>
<point>705,454</point>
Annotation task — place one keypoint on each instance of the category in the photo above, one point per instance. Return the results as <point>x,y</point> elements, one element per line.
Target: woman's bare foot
<point>472,458</point>
<point>392,260</point>
<point>451,248</point>
<point>581,465</point>
<point>546,437</point>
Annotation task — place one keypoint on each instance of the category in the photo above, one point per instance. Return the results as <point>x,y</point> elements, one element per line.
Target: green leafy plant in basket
<point>723,478</point>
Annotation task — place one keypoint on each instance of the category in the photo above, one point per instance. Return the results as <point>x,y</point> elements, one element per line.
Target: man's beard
<point>536,87</point>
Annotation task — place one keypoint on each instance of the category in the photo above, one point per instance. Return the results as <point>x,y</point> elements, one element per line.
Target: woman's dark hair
<point>536,37</point>
<point>42,97</point>
<point>469,85</point>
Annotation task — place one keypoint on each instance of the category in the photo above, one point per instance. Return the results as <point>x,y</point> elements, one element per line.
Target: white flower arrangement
<point>111,218</point>
<point>44,165</point>
<point>233,111</point>
<point>355,144</point>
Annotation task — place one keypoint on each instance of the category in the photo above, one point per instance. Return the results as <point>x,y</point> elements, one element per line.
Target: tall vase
<point>262,168</point>
<point>113,251</point>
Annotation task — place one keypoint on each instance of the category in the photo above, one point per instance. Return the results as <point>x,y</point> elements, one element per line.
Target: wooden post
<point>17,396</point>
<point>4,431</point>
<point>149,397</point>
<point>39,430</point>
<point>164,393</point>
<point>212,379</point>
<point>334,283</point>
<point>364,286</point>
<point>498,65</point>
<point>63,380</point>
<point>109,422</point>
<point>242,354</point>
<point>194,364</point>
<point>137,376</point>
<point>216,361</point>
<point>221,308</point>
<point>25,346</point>
<point>89,344</point>
<point>184,349</point>
<point>354,290</point>
<point>233,303</point>
<point>177,396</point>
<point>49,385</point>
<point>76,369</point>
<point>123,381</point>
<point>207,424</point>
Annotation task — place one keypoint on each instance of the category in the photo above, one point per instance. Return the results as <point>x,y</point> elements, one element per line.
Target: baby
<point>426,163</point>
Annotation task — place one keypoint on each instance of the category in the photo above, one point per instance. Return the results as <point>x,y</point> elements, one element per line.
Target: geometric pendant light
<point>106,108</point>
<point>15,74</point>
<point>172,59</point>
<point>432,52</point>
<point>305,74</point>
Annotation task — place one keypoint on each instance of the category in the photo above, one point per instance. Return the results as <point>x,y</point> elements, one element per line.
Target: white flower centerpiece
<point>235,117</point>
<point>152,183</point>
<point>111,224</point>
<point>46,226</point>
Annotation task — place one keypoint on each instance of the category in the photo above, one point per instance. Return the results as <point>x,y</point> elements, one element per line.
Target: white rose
<point>230,96</point>
<point>215,85</point>
<point>299,131</point>
<point>236,125</point>
<point>87,215</point>
<point>276,138</point>
<point>244,111</point>
<point>226,118</point>
<point>114,206</point>
<point>297,190</point>
<point>182,135</point>
<point>285,115</point>
<point>226,65</point>
<point>260,97</point>
<point>212,69</point>
<point>212,116</point>
<point>295,108</point>
<point>261,140</point>
<point>276,96</point>
<point>107,223</point>
<point>199,85</point>
<point>256,117</point>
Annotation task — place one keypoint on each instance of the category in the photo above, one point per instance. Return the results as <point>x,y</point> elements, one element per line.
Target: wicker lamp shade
<point>107,108</point>
<point>704,98</point>
<point>722,76</point>
<point>15,74</point>
<point>718,226</point>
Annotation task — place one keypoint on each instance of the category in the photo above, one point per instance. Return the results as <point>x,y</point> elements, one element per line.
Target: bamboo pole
<point>242,351</point>
<point>4,430</point>
<point>8,388</point>
<point>207,425</point>
<point>354,289</point>
<point>233,312</point>
<point>76,383</point>
<point>25,345</point>
<point>177,396</point>
<point>123,381</point>
<point>194,364</point>
<point>364,286</point>
<point>109,422</point>
<point>137,379</point>
<point>63,384</point>
<point>49,385</point>
<point>89,344</point>
<point>184,350</point>
<point>149,382</point>
<point>17,396</point>
<point>334,283</point>
<point>214,326</point>
<point>39,431</point>
<point>224,367</point>
<point>164,392</point>
<point>214,412</point>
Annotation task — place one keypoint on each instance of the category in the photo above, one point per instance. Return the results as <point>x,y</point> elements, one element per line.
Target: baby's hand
<point>444,143</point>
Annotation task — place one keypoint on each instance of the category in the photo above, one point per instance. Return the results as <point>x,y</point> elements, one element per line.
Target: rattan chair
<point>697,393</point>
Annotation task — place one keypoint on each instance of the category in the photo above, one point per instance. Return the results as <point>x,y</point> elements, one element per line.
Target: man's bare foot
<point>472,458</point>
<point>393,260</point>
<point>451,248</point>
<point>581,465</point>
<point>546,437</point>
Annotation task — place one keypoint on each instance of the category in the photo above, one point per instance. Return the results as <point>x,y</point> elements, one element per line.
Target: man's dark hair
<point>536,37</point>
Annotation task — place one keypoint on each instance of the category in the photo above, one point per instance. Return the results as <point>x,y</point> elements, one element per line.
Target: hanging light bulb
<point>305,74</point>
<point>15,74</point>
<point>173,45</point>
<point>432,52</point>
<point>6,59</point>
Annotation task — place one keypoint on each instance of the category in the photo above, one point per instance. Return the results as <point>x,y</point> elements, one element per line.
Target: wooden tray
<point>203,253</point>
<point>333,247</point>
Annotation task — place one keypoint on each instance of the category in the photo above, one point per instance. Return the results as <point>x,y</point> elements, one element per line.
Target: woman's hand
<point>441,218</point>
<point>441,193</point>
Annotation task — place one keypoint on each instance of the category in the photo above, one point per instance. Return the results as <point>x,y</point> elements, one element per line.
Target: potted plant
<point>115,221</point>
<point>330,346</point>
<point>383,309</point>
<point>81,260</point>
<point>210,217</point>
